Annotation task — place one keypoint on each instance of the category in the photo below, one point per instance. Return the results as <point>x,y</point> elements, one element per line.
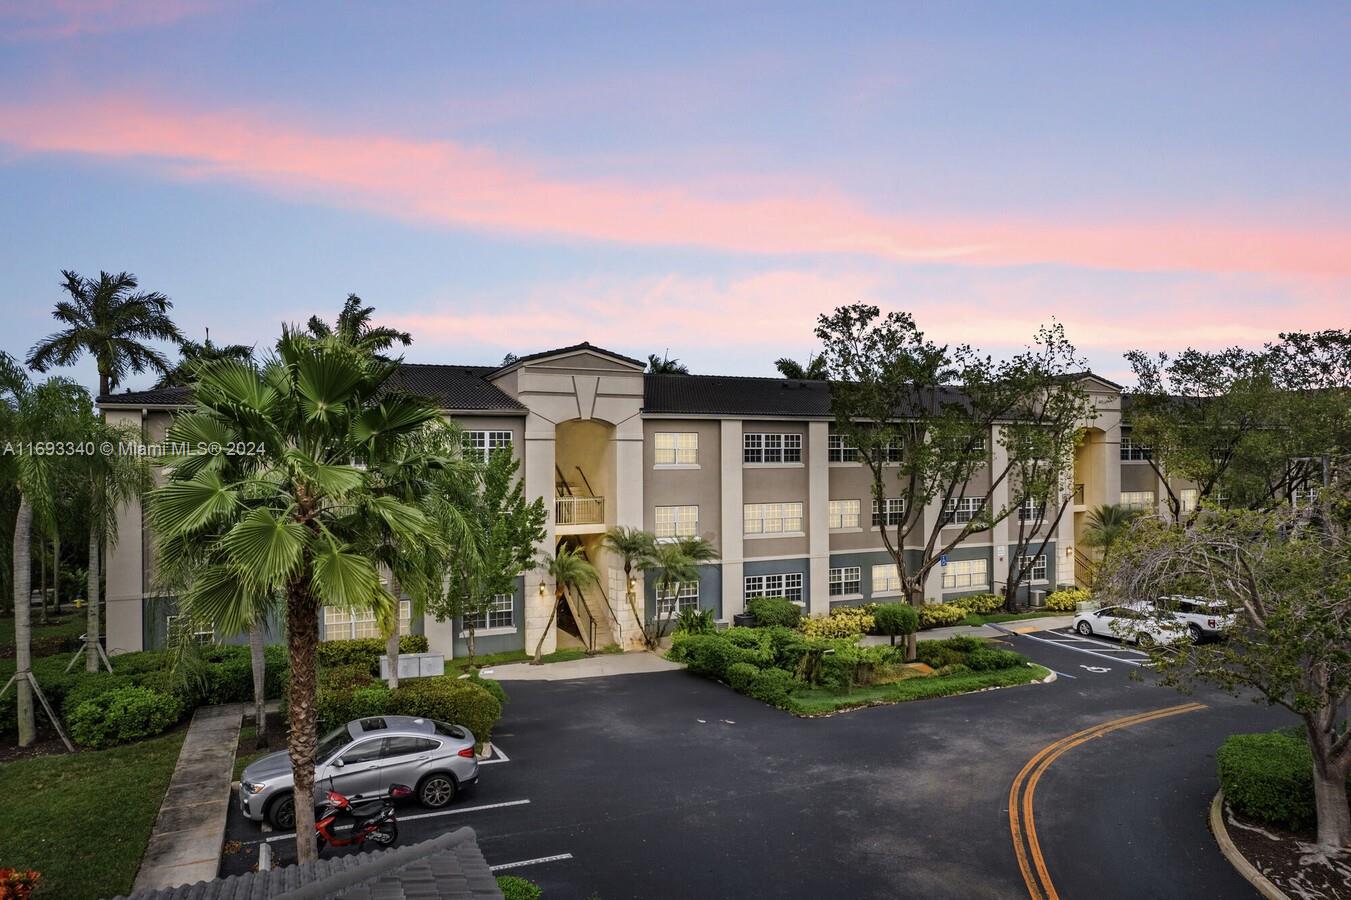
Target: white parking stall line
<point>530,862</point>
<point>1114,648</point>
<point>498,757</point>
<point>1068,646</point>
<point>431,815</point>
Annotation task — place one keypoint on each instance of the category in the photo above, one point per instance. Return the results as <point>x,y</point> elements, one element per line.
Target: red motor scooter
<point>341,824</point>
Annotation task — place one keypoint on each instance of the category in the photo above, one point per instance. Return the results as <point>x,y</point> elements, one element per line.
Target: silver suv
<point>361,760</point>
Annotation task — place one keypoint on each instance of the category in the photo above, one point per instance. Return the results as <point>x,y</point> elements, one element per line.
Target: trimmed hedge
<point>514,887</point>
<point>448,699</point>
<point>122,715</point>
<point>843,621</point>
<point>366,651</point>
<point>894,619</point>
<point>1269,777</point>
<point>1068,600</point>
<point>981,604</point>
<point>772,611</point>
<point>935,615</point>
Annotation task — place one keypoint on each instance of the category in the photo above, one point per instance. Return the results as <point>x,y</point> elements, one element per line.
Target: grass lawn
<point>817,701</point>
<point>517,656</point>
<point>83,819</point>
<point>991,618</point>
<point>67,626</point>
<point>244,757</point>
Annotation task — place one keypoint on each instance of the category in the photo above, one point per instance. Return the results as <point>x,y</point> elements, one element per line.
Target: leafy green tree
<point>633,546</point>
<point>665,365</point>
<point>1106,526</point>
<point>1244,427</point>
<point>570,572</point>
<point>814,370</point>
<point>110,320</point>
<point>353,328</point>
<point>292,518</point>
<point>921,416</point>
<point>675,562</point>
<point>1285,572</point>
<point>194,355</point>
<point>501,529</point>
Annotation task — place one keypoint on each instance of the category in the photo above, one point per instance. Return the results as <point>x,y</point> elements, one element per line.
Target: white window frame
<point>960,574</point>
<point>675,522</point>
<point>772,518</point>
<point>886,579</point>
<point>837,451</point>
<point>843,514</point>
<point>684,595</point>
<point>895,507</point>
<point>760,448</point>
<point>961,510</point>
<point>1188,498</point>
<point>787,585</point>
<point>1303,496</point>
<point>1133,452</point>
<point>492,618</point>
<point>361,624</point>
<point>1038,565</point>
<point>846,581</point>
<point>202,634</point>
<point>675,449</point>
<point>482,443</point>
<point>1031,511</point>
<point>1139,500</point>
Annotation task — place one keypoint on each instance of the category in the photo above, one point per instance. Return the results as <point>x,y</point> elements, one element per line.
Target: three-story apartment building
<point>751,464</point>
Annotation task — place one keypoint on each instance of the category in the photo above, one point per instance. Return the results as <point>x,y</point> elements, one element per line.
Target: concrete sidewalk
<point>638,662</point>
<point>1020,626</point>
<point>185,845</point>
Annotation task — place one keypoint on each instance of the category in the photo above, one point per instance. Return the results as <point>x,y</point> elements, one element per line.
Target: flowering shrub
<point>1068,600</point>
<point>17,884</point>
<point>979,603</point>
<point>843,621</point>
<point>934,615</point>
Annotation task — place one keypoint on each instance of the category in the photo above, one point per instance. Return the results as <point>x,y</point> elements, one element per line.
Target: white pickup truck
<point>1203,618</point>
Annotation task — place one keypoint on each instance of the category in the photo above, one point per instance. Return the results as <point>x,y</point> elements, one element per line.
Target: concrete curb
<point>1237,859</point>
<point>1050,678</point>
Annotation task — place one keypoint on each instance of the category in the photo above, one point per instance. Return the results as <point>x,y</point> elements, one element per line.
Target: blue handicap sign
<point>943,560</point>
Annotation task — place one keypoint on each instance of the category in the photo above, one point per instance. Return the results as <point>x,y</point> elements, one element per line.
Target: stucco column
<point>1064,550</point>
<point>628,512</point>
<point>733,545</point>
<point>818,521</point>
<point>539,482</point>
<point>999,500</point>
<point>125,565</point>
<point>933,582</point>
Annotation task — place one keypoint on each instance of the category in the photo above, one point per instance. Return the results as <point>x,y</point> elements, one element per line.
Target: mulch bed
<point>1292,860</point>
<point>47,743</point>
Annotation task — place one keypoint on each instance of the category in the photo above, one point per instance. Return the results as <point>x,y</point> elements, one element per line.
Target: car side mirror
<point>338,763</point>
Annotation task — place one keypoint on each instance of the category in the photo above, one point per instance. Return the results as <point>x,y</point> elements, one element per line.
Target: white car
<point>1202,618</point>
<point>1139,623</point>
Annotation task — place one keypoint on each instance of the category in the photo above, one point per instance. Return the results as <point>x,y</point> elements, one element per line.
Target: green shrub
<point>335,700</point>
<point>448,699</point>
<point>122,715</point>
<point>965,643</point>
<point>772,686</point>
<point>514,887</point>
<point>88,687</point>
<point>935,615</point>
<point>1268,777</point>
<point>953,651</point>
<point>892,619</point>
<point>696,621</point>
<point>366,651</point>
<point>988,659</point>
<point>740,676</point>
<point>228,681</point>
<point>771,611</point>
<point>1068,600</point>
<point>981,604</point>
<point>493,687</point>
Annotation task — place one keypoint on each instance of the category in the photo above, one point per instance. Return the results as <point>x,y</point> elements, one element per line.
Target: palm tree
<point>354,329</point>
<point>678,563</point>
<point>1106,525</point>
<point>569,572</point>
<point>108,319</point>
<point>633,546</point>
<point>664,365</point>
<point>814,370</point>
<point>290,521</point>
<point>192,356</point>
<point>46,412</point>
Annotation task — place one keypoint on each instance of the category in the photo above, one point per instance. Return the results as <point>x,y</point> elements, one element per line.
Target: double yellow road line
<point>1022,822</point>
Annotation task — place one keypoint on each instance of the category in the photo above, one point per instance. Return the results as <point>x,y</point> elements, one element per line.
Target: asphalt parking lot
<point>668,785</point>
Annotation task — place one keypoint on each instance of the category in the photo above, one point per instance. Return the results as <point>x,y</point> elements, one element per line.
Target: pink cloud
<point>445,183</point>
<point>54,19</point>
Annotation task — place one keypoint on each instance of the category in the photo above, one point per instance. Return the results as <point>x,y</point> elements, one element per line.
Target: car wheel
<point>1084,628</point>
<point>281,812</point>
<point>1144,639</point>
<point>436,790</point>
<point>1194,633</point>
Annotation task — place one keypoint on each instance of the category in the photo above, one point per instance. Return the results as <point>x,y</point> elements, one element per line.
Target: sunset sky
<point>645,176</point>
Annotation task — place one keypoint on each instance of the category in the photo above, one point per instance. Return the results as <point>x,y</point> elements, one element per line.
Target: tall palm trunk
<point>539,645</point>
<point>258,662</point>
<point>23,627</point>
<point>56,571</point>
<point>42,578</point>
<point>392,642</point>
<point>302,637</point>
<point>92,628</point>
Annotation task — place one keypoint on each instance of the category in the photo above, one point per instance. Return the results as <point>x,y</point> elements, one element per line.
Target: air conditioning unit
<point>1038,599</point>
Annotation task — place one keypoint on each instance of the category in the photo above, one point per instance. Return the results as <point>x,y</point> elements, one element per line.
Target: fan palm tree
<point>677,563</point>
<point>814,370</point>
<point>192,356</point>
<point>108,319</point>
<point>290,521</point>
<point>664,365</point>
<point>633,546</point>
<point>569,572</point>
<point>29,413</point>
<point>1106,526</point>
<point>354,329</point>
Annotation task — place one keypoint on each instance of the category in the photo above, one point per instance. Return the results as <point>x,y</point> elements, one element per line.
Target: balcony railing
<point>579,510</point>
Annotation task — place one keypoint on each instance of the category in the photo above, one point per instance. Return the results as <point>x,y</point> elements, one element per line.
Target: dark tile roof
<point>584,345</point>
<point>728,395</point>
<point>452,387</point>
<point>448,867</point>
